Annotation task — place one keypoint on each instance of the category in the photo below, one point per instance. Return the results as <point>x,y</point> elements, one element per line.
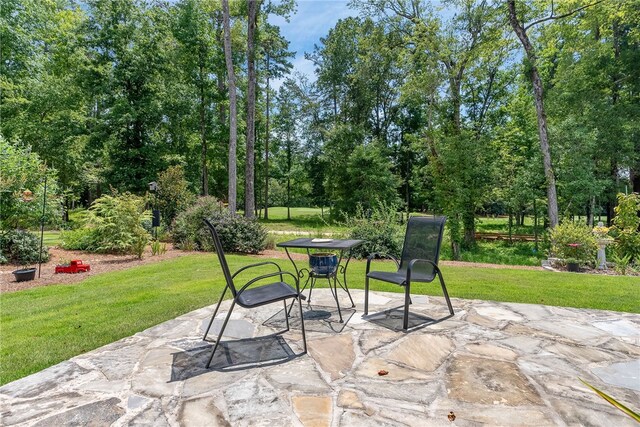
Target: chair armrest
<point>375,255</point>
<point>266,276</point>
<point>418,260</point>
<point>255,265</point>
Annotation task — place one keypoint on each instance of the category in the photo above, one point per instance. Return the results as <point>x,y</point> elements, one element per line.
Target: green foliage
<point>79,239</point>
<point>573,242</point>
<point>237,233</point>
<point>626,225</point>
<point>631,413</point>
<point>622,262</point>
<point>21,247</point>
<point>378,227</point>
<point>21,170</point>
<point>158,248</point>
<point>173,195</point>
<point>114,224</point>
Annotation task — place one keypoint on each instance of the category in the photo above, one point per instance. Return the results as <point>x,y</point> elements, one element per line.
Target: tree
<point>233,115</point>
<point>249,195</point>
<point>520,30</point>
<point>198,57</point>
<point>22,180</point>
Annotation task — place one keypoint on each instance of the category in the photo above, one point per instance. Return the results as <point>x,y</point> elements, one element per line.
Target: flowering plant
<point>601,232</point>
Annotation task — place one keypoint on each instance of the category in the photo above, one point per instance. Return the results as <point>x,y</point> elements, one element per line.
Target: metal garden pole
<point>44,206</point>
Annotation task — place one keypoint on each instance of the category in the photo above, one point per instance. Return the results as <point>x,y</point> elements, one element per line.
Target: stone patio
<point>492,363</point>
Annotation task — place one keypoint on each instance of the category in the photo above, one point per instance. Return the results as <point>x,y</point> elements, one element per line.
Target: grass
<point>499,252</point>
<point>51,237</point>
<point>302,219</point>
<point>44,326</point>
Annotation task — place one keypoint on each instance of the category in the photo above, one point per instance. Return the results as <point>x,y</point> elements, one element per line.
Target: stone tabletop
<point>491,364</point>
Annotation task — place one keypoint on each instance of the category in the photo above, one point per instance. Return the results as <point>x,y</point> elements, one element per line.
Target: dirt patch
<point>100,263</point>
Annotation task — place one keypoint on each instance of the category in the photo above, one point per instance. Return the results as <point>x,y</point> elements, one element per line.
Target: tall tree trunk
<point>266,150</point>
<point>249,170</point>
<point>233,112</point>
<point>203,137</point>
<point>538,93</point>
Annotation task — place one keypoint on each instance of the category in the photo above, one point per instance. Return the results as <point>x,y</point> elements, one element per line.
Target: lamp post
<point>42,218</point>
<point>153,186</point>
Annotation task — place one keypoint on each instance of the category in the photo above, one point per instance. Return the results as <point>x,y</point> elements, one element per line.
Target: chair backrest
<point>221,257</point>
<point>422,241</point>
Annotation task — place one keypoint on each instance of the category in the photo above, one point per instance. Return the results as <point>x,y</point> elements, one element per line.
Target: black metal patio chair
<point>249,296</point>
<point>419,261</point>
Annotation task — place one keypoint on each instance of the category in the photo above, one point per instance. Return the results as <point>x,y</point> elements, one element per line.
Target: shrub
<point>79,239</point>
<point>173,194</point>
<point>116,223</point>
<point>21,247</point>
<point>237,233</point>
<point>158,248</point>
<point>379,229</point>
<point>113,225</point>
<point>573,242</point>
<point>626,223</point>
<point>22,174</point>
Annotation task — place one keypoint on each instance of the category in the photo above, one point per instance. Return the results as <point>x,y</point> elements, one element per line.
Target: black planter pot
<point>25,274</point>
<point>573,267</point>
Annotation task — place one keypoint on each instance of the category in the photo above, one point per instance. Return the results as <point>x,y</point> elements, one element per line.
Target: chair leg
<point>304,335</point>
<point>366,295</point>
<point>407,299</point>
<point>215,312</point>
<point>446,294</point>
<point>286,315</point>
<point>224,325</point>
<point>313,283</point>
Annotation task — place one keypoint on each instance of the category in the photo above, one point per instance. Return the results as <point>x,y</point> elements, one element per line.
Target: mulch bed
<point>100,263</point>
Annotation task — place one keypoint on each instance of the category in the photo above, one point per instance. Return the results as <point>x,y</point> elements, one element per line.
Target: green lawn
<point>51,237</point>
<point>302,219</point>
<point>44,326</point>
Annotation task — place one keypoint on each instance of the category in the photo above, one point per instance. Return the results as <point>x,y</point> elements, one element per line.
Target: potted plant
<point>24,274</point>
<point>573,262</point>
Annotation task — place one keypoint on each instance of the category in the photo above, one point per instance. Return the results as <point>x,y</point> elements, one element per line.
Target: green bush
<point>379,229</point>
<point>22,175</point>
<point>237,233</point>
<point>173,194</point>
<point>21,247</point>
<point>114,224</point>
<point>626,223</point>
<point>573,242</point>
<point>79,239</point>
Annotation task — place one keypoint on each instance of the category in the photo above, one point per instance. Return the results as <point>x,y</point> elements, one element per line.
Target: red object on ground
<point>76,266</point>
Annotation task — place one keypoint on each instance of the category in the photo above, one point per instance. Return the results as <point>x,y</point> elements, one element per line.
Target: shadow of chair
<point>232,356</point>
<point>253,293</point>
<point>418,263</point>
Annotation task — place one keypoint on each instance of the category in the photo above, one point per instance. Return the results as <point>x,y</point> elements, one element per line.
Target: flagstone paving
<point>491,364</point>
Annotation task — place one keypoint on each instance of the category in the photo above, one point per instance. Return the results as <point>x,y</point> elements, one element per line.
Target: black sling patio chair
<point>419,261</point>
<point>249,296</point>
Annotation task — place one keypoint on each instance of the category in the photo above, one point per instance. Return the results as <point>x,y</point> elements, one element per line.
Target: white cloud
<point>312,21</point>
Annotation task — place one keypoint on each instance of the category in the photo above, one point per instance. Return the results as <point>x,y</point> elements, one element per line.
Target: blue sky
<point>312,20</point>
